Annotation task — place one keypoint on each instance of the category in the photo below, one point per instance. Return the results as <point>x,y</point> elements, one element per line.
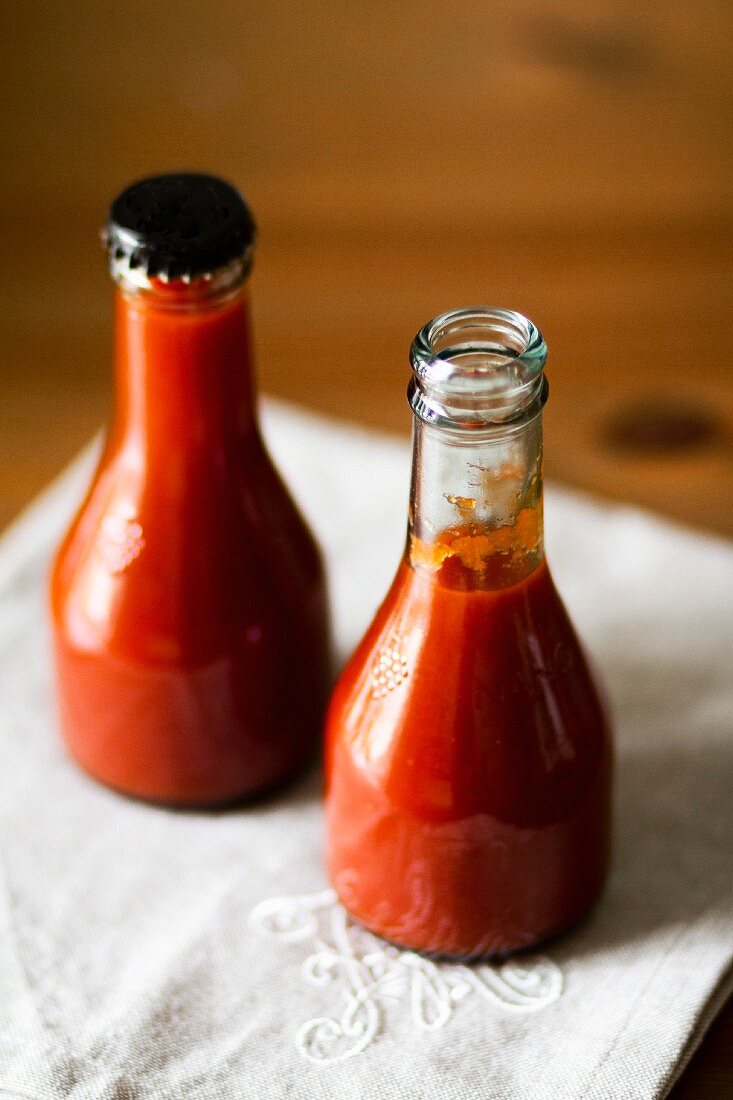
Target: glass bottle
<point>468,752</point>
<point>188,600</point>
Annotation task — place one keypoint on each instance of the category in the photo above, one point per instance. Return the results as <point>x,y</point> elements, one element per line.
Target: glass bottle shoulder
<point>464,700</point>
<point>167,569</point>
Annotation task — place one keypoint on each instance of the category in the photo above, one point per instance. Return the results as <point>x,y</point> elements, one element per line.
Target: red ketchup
<point>189,606</point>
<point>468,752</point>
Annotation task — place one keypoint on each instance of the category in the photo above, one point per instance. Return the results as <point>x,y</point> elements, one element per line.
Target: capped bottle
<point>468,758</point>
<point>189,606</point>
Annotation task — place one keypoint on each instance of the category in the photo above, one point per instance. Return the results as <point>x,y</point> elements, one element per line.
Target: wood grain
<point>564,157</point>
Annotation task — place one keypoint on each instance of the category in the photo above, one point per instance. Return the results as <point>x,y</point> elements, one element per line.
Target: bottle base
<point>467,957</point>
<point>206,803</point>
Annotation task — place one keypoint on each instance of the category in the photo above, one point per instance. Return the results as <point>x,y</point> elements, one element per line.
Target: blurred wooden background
<point>563,157</point>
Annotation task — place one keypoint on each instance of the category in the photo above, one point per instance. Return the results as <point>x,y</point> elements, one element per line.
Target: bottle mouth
<point>478,367</point>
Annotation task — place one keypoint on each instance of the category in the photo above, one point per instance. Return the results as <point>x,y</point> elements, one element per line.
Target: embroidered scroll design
<point>368,974</point>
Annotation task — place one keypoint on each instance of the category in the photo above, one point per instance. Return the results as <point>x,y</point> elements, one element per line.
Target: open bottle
<point>189,606</point>
<point>468,759</point>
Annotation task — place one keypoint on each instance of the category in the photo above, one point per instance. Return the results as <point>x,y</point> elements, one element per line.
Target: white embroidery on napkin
<point>367,972</point>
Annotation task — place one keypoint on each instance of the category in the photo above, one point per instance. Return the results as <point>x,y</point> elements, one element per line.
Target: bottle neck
<point>183,368</point>
<point>475,516</point>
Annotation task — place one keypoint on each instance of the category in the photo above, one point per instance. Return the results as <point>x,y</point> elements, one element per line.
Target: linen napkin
<point>149,954</point>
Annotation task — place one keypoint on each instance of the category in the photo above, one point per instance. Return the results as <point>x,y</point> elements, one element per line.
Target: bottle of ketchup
<point>188,600</point>
<point>468,752</point>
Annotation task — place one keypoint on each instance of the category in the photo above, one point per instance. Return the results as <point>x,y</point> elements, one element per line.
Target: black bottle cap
<point>179,226</point>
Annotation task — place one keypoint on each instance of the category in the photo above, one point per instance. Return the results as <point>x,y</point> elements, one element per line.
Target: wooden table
<point>562,158</point>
